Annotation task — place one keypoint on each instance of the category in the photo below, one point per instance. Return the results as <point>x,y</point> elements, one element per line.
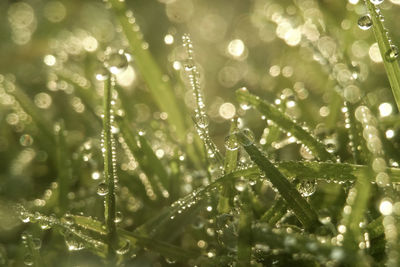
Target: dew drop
<point>249,140</point>
<point>231,143</point>
<point>202,121</point>
<point>365,22</point>
<point>306,188</point>
<point>68,219</point>
<point>124,248</point>
<point>28,260</point>
<point>170,261</point>
<point>44,225</point>
<point>102,189</point>
<point>392,54</point>
<point>37,243</point>
<point>101,74</point>
<point>376,2</point>
<point>117,63</point>
<point>26,140</point>
<point>240,185</point>
<point>118,217</point>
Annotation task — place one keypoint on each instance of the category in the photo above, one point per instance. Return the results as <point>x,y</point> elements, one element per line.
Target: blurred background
<point>297,54</point>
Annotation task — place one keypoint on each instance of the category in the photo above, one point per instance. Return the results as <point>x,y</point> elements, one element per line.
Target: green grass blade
<point>231,156</point>
<point>161,90</point>
<point>244,231</point>
<point>166,249</point>
<point>131,139</point>
<point>275,213</point>
<point>154,162</point>
<point>391,63</point>
<point>109,168</point>
<point>272,113</point>
<point>33,252</point>
<point>303,211</point>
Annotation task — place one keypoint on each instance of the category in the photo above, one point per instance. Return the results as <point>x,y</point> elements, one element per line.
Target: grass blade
<point>389,51</point>
<point>286,124</point>
<point>231,156</point>
<point>109,168</point>
<point>303,211</point>
<point>244,231</point>
<point>159,87</point>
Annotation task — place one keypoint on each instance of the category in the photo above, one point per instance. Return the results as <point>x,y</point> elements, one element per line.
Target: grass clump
<point>269,140</point>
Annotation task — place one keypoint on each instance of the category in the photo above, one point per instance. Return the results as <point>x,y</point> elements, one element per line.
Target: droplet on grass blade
<point>392,54</point>
<point>117,63</point>
<point>231,143</point>
<point>101,74</point>
<point>365,22</point>
<point>102,189</point>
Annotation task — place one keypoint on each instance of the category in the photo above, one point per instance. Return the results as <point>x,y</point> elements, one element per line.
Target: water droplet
<point>365,22</point>
<point>26,140</point>
<point>170,261</point>
<point>231,143</point>
<point>44,225</point>
<point>101,74</point>
<point>249,140</point>
<point>72,243</point>
<point>306,188</point>
<point>117,63</point>
<point>69,219</point>
<point>376,2</point>
<point>240,184</point>
<point>28,260</point>
<point>118,217</point>
<point>37,243</point>
<point>102,189</point>
<point>189,67</point>
<point>202,121</point>
<point>124,248</point>
<point>392,54</point>
<point>25,217</point>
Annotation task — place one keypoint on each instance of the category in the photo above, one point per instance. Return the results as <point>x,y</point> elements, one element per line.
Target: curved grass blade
<point>389,51</point>
<point>165,249</point>
<point>159,87</point>
<point>286,124</point>
<point>90,243</point>
<point>303,211</point>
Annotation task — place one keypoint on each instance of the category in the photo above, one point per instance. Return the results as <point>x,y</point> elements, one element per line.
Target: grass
<point>269,142</point>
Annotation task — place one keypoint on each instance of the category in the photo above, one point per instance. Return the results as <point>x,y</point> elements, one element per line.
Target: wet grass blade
<point>389,52</point>
<point>284,122</point>
<point>244,231</point>
<point>34,258</point>
<point>159,87</point>
<point>275,213</point>
<point>231,156</point>
<point>131,138</point>
<point>165,249</point>
<point>303,211</point>
<point>154,162</point>
<point>109,168</point>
